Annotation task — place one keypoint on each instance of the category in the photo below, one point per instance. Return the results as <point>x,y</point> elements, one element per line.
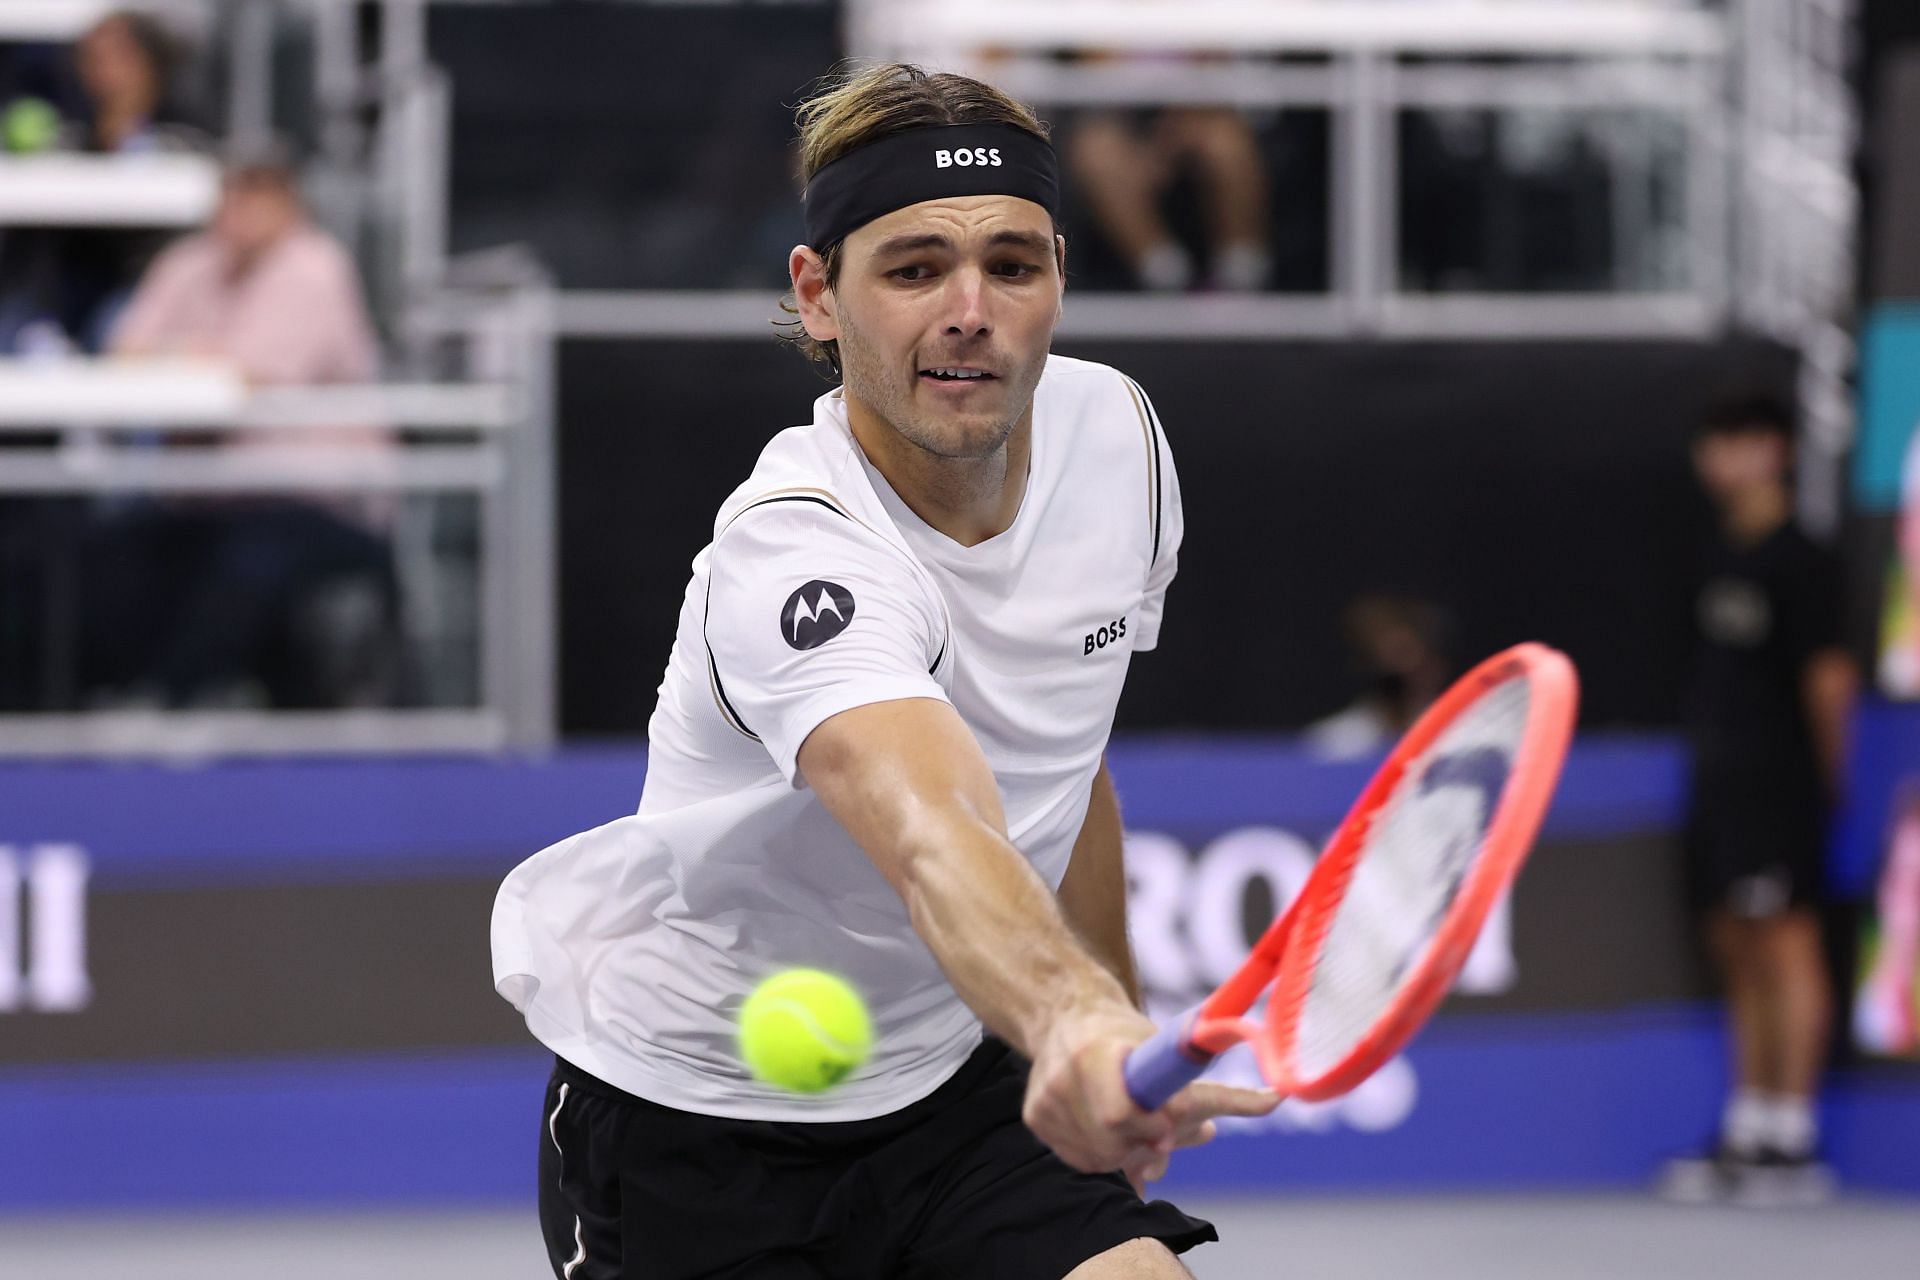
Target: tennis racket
<point>1390,912</point>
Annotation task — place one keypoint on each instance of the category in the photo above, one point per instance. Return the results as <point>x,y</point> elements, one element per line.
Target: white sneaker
<point>1708,1178</point>
<point>1779,1181</point>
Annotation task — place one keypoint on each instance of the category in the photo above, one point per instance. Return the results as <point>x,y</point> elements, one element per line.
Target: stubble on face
<point>888,390</point>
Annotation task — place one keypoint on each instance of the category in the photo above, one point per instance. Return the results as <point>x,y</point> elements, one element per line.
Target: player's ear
<point>812,295</point>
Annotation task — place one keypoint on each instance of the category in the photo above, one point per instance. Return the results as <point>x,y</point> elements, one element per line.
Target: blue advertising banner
<point>1504,1102</point>
<point>1885,759</point>
<point>314,820</point>
<point>267,982</point>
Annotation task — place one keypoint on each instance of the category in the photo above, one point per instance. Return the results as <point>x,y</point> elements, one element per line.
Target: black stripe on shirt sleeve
<point>727,709</point>
<point>1153,465</point>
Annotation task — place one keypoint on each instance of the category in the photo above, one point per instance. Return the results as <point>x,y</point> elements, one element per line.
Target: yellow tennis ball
<point>804,1030</point>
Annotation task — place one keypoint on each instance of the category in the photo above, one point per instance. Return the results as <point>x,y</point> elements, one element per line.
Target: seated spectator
<point>216,602</point>
<point>1399,645</point>
<point>1124,166</point>
<point>262,288</point>
<point>65,285</point>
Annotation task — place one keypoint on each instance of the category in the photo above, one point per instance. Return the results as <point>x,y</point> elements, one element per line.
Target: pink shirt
<point>296,319</point>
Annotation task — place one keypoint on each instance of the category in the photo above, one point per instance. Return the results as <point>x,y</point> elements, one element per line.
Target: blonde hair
<point>854,107</point>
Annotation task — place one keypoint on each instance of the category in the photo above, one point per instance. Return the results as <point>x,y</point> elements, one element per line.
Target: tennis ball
<point>29,125</point>
<point>804,1030</point>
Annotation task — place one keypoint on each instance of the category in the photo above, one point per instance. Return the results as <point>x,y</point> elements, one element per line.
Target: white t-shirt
<point>629,948</point>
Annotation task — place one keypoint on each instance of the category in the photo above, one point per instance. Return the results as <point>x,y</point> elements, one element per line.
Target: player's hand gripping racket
<point>1392,908</point>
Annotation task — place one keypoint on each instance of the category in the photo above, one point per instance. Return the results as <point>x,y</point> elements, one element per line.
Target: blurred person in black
<point>1767,715</point>
<point>67,284</point>
<point>1400,646</point>
<point>1125,164</point>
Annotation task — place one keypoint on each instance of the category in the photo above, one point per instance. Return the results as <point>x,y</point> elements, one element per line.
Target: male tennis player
<point>878,751</point>
<point>1767,715</point>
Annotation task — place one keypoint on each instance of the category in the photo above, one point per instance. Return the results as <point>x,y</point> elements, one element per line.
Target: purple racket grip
<point>1161,1066</point>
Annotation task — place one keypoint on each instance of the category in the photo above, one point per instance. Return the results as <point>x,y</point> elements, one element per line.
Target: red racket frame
<point>1290,950</point>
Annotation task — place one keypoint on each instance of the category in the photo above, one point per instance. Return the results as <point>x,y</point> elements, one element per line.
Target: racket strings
<point>1411,865</point>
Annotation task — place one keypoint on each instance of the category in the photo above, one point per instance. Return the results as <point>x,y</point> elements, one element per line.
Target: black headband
<point>929,163</point>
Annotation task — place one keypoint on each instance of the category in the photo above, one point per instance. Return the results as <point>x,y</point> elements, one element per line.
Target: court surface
<point>1453,1238</point>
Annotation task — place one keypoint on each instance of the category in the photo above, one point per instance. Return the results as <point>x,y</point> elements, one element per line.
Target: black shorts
<point>1755,844</point>
<point>954,1185</point>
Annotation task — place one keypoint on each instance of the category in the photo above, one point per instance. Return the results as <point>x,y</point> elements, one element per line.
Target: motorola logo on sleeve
<point>815,614</point>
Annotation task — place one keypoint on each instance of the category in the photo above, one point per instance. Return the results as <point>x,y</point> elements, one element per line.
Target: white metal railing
<point>162,190</point>
<point>57,20</point>
<point>939,29</point>
<point>1797,247</point>
<point>141,394</point>
<point>752,313</point>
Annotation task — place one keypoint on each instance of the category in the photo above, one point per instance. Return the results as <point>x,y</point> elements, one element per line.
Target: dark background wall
<point>1885,25</point>
<point>1538,491</point>
<point>631,146</point>
<point>1889,168</point>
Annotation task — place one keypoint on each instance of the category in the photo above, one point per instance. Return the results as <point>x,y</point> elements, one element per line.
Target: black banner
<point>1534,490</point>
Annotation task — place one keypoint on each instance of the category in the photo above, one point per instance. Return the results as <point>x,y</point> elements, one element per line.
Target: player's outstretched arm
<point>910,784</point>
